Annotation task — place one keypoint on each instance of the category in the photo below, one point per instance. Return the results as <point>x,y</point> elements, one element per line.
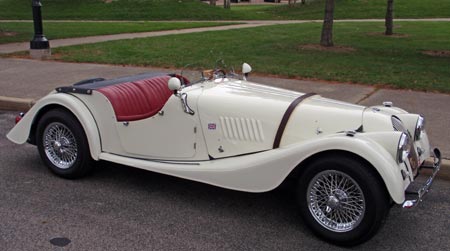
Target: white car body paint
<point>228,142</point>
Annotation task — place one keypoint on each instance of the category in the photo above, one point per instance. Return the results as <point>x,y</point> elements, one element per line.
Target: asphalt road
<point>121,208</point>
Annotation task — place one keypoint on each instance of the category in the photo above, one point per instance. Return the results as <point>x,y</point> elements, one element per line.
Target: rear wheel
<point>342,199</point>
<point>63,145</point>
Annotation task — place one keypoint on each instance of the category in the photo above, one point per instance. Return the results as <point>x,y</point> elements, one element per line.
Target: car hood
<point>318,117</point>
<point>240,117</point>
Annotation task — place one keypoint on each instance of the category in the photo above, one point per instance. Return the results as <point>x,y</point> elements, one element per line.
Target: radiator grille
<point>398,125</point>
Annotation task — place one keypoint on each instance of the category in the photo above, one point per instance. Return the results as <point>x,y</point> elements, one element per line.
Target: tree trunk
<point>226,4</point>
<point>389,21</point>
<point>327,29</point>
<point>303,1</point>
<point>212,2</point>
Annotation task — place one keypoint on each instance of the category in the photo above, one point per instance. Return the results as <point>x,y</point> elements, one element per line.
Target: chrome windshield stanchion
<point>185,104</point>
<point>175,85</point>
<point>426,186</point>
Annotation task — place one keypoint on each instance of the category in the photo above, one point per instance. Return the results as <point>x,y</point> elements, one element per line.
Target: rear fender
<point>23,130</point>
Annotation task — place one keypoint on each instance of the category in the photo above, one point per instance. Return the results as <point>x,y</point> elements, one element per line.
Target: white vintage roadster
<point>350,162</point>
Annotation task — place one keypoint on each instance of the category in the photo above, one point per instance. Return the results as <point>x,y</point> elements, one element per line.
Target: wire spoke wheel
<point>63,145</point>
<point>342,198</point>
<point>60,145</point>
<point>336,201</point>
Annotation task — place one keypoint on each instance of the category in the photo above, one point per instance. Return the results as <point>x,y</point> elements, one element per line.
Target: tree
<point>291,3</point>
<point>212,2</point>
<point>389,20</point>
<point>226,4</point>
<point>326,38</point>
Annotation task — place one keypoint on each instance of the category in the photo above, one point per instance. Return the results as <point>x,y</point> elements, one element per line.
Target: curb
<point>23,105</point>
<point>444,173</point>
<point>16,104</point>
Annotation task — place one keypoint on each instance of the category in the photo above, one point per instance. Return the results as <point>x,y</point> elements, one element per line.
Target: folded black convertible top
<point>86,86</point>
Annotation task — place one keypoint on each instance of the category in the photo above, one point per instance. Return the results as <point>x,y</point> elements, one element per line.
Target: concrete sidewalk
<point>15,47</point>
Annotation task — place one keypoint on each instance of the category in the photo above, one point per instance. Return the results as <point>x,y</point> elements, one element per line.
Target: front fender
<point>22,131</point>
<point>368,147</point>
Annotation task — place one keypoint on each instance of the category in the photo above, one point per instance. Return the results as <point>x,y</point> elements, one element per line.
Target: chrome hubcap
<point>60,145</point>
<point>336,201</point>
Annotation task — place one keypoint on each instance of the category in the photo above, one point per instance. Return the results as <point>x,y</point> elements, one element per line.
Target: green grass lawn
<point>196,10</point>
<point>368,56</point>
<point>23,31</point>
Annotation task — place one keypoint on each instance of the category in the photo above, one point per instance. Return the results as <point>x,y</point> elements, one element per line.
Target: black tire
<point>62,144</point>
<point>348,214</point>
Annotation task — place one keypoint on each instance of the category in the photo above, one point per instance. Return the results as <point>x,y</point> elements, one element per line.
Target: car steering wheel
<point>219,73</point>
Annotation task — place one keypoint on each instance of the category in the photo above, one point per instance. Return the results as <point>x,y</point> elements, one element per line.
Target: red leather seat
<point>138,99</point>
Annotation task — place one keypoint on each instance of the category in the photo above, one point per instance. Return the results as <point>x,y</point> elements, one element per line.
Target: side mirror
<point>174,84</point>
<point>246,69</point>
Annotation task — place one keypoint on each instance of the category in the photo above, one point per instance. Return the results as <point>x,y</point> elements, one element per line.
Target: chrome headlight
<point>404,146</point>
<point>420,127</point>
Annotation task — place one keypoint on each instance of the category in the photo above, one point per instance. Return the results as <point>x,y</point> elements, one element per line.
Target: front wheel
<point>342,199</point>
<point>63,145</point>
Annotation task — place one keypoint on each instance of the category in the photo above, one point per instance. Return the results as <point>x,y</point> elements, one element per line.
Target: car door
<point>171,134</point>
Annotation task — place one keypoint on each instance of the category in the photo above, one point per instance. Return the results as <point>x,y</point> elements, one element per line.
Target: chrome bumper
<point>423,190</point>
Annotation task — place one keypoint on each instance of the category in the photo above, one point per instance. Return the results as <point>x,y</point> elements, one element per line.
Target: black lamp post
<point>39,41</point>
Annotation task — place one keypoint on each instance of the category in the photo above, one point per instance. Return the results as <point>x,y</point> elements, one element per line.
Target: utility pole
<point>39,45</point>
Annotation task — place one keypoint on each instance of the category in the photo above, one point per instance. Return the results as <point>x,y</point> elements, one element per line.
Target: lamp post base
<point>39,43</point>
<point>40,53</point>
